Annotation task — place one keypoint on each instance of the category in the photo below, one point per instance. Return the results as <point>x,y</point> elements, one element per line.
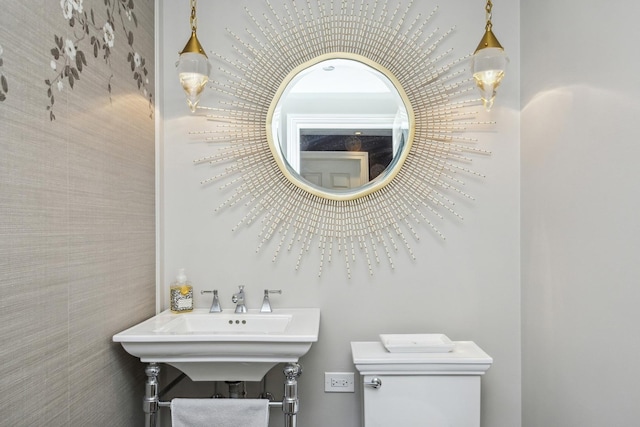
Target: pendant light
<point>193,65</point>
<point>489,63</point>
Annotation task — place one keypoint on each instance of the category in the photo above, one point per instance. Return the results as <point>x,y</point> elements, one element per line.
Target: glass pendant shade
<point>193,71</point>
<point>489,63</point>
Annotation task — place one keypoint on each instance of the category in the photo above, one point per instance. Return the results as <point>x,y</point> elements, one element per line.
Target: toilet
<point>415,389</point>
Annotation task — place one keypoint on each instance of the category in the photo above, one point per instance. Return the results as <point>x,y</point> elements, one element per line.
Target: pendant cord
<point>488,8</point>
<point>193,20</point>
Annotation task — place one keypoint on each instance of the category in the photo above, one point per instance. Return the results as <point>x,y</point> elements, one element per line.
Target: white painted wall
<point>466,286</point>
<point>580,233</point>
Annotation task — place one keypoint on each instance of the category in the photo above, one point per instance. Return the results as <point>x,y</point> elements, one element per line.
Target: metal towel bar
<point>271,404</point>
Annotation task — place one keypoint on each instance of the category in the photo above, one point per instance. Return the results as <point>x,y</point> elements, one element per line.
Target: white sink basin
<point>227,324</point>
<point>223,346</point>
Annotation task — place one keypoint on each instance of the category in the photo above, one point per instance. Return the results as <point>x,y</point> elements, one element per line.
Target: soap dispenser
<point>181,294</point>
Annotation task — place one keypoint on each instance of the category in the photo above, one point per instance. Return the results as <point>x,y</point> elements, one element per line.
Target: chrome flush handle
<point>374,383</point>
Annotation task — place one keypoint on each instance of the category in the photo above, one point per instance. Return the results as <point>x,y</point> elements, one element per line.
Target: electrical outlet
<point>338,382</point>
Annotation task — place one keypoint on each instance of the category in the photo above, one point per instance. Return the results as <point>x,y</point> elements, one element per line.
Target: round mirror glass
<point>340,127</point>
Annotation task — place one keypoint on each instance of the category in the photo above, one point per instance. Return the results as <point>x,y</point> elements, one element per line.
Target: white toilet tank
<point>420,389</point>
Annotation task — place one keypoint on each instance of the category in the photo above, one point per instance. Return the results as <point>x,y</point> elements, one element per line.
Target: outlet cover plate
<point>339,382</point>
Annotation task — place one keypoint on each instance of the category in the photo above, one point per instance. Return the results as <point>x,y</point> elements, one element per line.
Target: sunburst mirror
<point>341,126</point>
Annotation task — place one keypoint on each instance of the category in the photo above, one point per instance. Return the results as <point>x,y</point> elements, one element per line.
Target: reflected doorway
<point>373,147</point>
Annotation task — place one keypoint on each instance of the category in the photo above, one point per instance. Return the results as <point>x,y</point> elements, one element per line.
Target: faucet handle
<point>215,304</point>
<point>266,304</point>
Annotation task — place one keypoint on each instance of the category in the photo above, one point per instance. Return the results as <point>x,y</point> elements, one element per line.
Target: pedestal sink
<point>223,346</point>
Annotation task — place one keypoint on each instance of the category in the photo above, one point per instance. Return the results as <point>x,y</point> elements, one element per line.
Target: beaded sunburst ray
<point>373,226</point>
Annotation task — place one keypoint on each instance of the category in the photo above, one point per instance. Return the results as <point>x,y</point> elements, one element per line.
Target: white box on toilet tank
<point>420,389</point>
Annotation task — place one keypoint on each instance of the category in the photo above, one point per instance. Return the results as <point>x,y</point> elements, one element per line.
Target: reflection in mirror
<point>340,126</point>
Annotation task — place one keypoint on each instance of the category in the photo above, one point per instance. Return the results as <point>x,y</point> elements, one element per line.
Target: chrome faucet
<point>238,299</point>
<point>266,304</point>
<point>215,304</point>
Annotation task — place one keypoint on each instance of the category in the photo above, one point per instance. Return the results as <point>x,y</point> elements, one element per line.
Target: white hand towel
<point>220,412</point>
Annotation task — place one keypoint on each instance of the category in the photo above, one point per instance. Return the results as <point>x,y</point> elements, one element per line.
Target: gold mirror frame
<point>423,188</point>
<point>366,189</point>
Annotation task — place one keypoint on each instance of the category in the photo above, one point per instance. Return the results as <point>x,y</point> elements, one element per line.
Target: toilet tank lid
<point>466,357</point>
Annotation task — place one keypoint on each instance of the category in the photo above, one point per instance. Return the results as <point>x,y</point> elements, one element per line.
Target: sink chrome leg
<point>291,402</point>
<point>151,399</point>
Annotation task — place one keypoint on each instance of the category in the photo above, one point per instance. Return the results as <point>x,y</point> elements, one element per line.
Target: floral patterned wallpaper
<point>88,33</point>
<point>77,208</point>
<point>69,58</point>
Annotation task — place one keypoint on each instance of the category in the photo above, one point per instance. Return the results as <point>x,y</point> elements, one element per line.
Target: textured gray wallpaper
<point>77,225</point>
